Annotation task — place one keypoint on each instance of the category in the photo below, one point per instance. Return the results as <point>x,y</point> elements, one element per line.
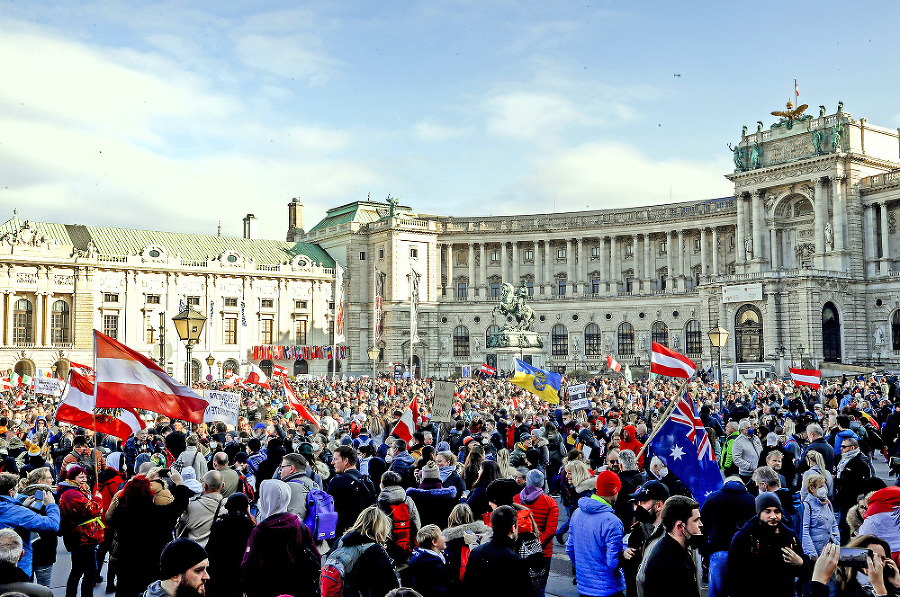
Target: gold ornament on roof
<point>791,113</point>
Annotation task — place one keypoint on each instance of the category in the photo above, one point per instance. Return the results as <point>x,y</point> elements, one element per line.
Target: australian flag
<point>682,443</point>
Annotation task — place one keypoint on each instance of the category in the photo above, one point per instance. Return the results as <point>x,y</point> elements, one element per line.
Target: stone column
<point>682,261</point>
<point>582,271</point>
<point>615,267</point>
<point>715,251</point>
<point>571,283</point>
<point>38,321</point>
<point>649,272</point>
<point>604,266</point>
<point>871,250</point>
<point>704,271</point>
<point>739,241</point>
<point>536,251</point>
<point>670,273</point>
<point>775,249</point>
<point>515,264</point>
<point>637,265</point>
<point>548,267</point>
<point>756,203</point>
<point>471,258</point>
<point>838,208</point>
<point>821,216</point>
<point>482,276</point>
<point>450,283</point>
<point>885,240</point>
<point>10,303</point>
<point>504,257</point>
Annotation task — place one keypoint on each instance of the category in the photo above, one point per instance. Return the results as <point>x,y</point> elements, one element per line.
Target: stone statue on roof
<point>393,203</point>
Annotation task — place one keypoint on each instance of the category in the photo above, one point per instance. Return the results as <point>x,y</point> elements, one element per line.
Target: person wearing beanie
<point>545,511</point>
<point>433,500</point>
<point>595,524</point>
<point>765,543</point>
<point>182,570</point>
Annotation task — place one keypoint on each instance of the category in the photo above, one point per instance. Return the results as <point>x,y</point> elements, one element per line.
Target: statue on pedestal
<point>512,302</point>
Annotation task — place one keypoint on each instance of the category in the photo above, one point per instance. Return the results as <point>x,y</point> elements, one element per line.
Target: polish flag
<point>664,361</point>
<point>77,408</point>
<point>806,377</point>
<point>487,369</point>
<point>407,423</point>
<point>298,406</point>
<point>127,379</point>
<point>258,377</point>
<point>613,364</point>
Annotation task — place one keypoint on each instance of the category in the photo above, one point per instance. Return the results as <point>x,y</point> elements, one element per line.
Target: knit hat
<point>443,447</point>
<point>431,471</point>
<point>767,499</point>
<point>608,483</point>
<point>772,439</point>
<point>534,478</point>
<point>74,471</point>
<point>180,556</point>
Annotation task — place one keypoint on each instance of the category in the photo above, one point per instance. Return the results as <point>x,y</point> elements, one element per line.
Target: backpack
<point>401,531</point>
<point>245,487</point>
<point>321,519</point>
<point>336,575</point>
<point>407,472</point>
<point>463,561</point>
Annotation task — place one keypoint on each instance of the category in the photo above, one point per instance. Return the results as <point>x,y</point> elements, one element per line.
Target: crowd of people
<point>356,506</point>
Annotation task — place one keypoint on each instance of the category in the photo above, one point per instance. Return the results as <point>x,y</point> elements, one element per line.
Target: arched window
<point>59,323</point>
<point>230,365</point>
<point>748,336</point>
<point>659,333</point>
<point>593,345</point>
<point>301,367</point>
<point>831,333</point>
<point>693,338</point>
<point>559,341</point>
<point>492,330</point>
<point>895,330</point>
<point>626,339</point>
<point>461,341</point>
<point>266,366</point>
<point>23,322</point>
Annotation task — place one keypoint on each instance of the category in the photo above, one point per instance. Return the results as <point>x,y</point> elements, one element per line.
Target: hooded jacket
<point>392,496</point>
<point>278,544</point>
<point>632,443</point>
<point>197,520</point>
<point>594,546</point>
<point>756,548</point>
<point>545,512</point>
<point>724,512</point>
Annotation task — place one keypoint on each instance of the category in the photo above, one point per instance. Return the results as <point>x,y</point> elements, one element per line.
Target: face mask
<point>644,515</point>
<point>696,541</point>
<point>663,472</point>
<point>751,431</point>
<point>316,447</point>
<point>822,493</point>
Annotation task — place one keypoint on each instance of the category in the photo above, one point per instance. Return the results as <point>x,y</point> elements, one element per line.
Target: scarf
<point>845,458</point>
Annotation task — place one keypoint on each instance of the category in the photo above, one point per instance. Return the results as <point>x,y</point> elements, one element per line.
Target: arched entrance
<point>416,366</point>
<point>748,338</point>
<point>301,367</point>
<point>266,366</point>
<point>230,365</point>
<point>24,368</point>
<point>831,333</point>
<point>62,368</point>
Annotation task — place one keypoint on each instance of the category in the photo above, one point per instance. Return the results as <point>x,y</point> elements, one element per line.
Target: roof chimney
<point>249,226</point>
<point>295,219</point>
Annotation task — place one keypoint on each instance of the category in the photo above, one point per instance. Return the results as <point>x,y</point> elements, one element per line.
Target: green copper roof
<point>362,212</point>
<point>194,247</point>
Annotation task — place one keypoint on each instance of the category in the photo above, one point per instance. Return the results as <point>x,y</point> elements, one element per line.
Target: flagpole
<point>665,416</point>
<point>95,452</point>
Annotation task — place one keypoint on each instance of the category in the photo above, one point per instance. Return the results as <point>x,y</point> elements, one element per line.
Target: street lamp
<point>373,356</point>
<point>781,350</point>
<point>189,324</point>
<point>210,360</point>
<point>718,336</point>
<point>800,349</point>
<point>219,367</point>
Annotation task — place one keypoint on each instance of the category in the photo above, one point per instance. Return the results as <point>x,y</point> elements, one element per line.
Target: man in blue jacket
<point>23,519</point>
<point>595,541</point>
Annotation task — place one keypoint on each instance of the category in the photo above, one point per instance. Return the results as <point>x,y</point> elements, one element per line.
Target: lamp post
<point>800,349</point>
<point>219,367</point>
<point>373,356</point>
<point>781,351</point>
<point>189,325</point>
<point>718,336</point>
<point>210,361</point>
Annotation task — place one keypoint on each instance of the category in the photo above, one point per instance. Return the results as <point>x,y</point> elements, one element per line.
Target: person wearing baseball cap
<point>648,504</point>
<point>182,570</point>
<point>593,524</point>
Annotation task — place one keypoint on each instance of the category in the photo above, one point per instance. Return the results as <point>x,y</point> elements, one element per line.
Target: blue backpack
<point>321,519</point>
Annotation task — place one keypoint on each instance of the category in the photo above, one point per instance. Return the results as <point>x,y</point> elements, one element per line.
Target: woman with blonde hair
<point>372,571</point>
<point>816,464</point>
<point>506,470</point>
<point>579,483</point>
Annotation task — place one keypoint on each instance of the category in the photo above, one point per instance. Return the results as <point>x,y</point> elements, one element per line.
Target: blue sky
<point>175,115</point>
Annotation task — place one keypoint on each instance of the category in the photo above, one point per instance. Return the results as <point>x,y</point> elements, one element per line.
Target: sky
<point>178,115</point>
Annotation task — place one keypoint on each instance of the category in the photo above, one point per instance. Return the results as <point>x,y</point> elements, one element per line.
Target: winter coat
<point>352,493</point>
<point>81,518</point>
<point>724,512</point>
<point>227,543</point>
<point>192,458</point>
<point>450,478</point>
<point>545,512</point>
<point>24,520</point>
<point>594,547</point>
<point>197,520</point>
<point>670,570</point>
<point>300,485</point>
<point>624,508</point>
<point>427,573</point>
<point>848,480</point>
<point>726,462</point>
<point>814,470</point>
<point>483,571</point>
<point>478,531</point>
<point>819,526</point>
<point>841,436</point>
<point>632,444</point>
<point>433,505</point>
<point>392,496</point>
<point>275,562</point>
<point>745,453</point>
<point>821,445</point>
<point>372,575</point>
<point>756,550</point>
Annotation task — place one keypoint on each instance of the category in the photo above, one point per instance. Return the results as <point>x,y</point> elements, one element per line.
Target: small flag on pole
<point>806,377</point>
<point>613,364</point>
<point>796,89</point>
<point>665,361</point>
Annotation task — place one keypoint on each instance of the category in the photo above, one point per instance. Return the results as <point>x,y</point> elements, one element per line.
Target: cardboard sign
<point>46,385</point>
<point>577,390</point>
<point>223,406</point>
<point>443,401</point>
<point>581,403</point>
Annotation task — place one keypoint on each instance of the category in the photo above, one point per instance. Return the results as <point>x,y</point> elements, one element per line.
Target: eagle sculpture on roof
<point>791,113</point>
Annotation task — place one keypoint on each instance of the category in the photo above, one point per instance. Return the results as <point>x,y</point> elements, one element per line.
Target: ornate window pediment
<point>153,254</point>
<point>301,261</point>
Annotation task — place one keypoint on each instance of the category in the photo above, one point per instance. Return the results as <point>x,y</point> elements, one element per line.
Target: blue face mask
<point>751,431</point>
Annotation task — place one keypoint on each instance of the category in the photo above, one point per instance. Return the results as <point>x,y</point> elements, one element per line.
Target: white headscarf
<point>274,497</point>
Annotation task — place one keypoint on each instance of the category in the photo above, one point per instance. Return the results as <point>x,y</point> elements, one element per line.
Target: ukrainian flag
<point>537,381</point>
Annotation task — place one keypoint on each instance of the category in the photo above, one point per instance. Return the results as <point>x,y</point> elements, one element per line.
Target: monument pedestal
<point>517,344</point>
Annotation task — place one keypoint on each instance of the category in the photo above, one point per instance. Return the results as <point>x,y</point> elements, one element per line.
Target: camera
<point>855,557</point>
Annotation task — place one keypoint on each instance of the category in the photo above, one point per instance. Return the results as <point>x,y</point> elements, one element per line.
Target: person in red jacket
<point>545,511</point>
<point>81,529</point>
<point>629,441</point>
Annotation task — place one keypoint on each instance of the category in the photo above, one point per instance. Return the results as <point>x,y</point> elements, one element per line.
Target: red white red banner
<point>258,377</point>
<point>298,406</point>
<point>613,364</point>
<point>665,361</point>
<point>408,421</point>
<point>806,377</point>
<point>487,369</point>
<point>77,408</point>
<point>127,379</point>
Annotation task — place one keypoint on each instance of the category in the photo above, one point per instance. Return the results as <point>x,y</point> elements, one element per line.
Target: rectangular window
<point>265,331</point>
<point>193,301</point>
<point>561,288</point>
<point>300,331</point>
<point>152,299</point>
<point>111,326</point>
<point>362,256</point>
<point>267,303</point>
<point>299,304</point>
<point>697,244</point>
<point>662,247</point>
<point>595,286</point>
<point>231,301</point>
<point>495,289</point>
<point>462,290</point>
<point>381,253</point>
<point>495,256</point>
<point>529,284</point>
<point>560,253</point>
<point>230,331</point>
<point>529,254</point>
<point>110,297</point>
<point>331,306</point>
<point>595,252</point>
<point>413,253</point>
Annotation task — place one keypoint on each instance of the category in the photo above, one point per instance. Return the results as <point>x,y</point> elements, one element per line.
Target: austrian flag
<point>806,377</point>
<point>665,361</point>
<point>485,368</point>
<point>613,364</point>
<point>77,408</point>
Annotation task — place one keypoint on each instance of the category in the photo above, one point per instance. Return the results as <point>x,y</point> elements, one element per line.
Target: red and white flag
<point>279,370</point>
<point>613,364</point>
<point>487,369</point>
<point>516,403</point>
<point>258,377</point>
<point>77,408</point>
<point>127,379</point>
<point>796,89</point>
<point>5,384</point>
<point>408,421</point>
<point>806,377</point>
<point>298,406</point>
<point>665,361</point>
<point>84,370</point>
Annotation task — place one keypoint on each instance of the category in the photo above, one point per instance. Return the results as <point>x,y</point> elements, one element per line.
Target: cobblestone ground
<point>559,584</point>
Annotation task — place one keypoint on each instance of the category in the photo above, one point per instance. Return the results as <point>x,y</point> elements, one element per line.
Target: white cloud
<point>286,57</point>
<point>531,115</point>
<point>429,131</point>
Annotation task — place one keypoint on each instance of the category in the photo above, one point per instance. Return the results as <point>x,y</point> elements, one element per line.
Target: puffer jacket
<point>81,517</point>
<point>745,453</point>
<point>545,512</point>
<point>819,526</point>
<point>594,546</point>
